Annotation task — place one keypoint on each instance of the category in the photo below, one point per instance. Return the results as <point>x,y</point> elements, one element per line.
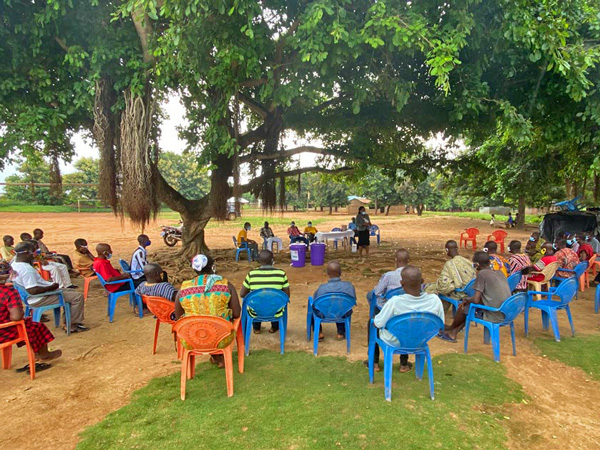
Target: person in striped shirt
<point>267,276</point>
<point>518,261</point>
<point>154,285</point>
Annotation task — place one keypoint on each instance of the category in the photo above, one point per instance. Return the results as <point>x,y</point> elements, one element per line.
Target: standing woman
<point>363,222</point>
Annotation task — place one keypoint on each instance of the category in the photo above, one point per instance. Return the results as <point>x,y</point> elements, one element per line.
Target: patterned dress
<point>517,263</point>
<point>207,295</point>
<point>500,263</point>
<point>567,259</point>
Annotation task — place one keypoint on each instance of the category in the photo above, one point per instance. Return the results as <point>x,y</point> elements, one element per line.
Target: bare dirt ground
<point>101,368</point>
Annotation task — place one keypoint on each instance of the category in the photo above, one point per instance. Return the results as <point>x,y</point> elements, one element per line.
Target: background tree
<point>86,172</point>
<point>184,174</point>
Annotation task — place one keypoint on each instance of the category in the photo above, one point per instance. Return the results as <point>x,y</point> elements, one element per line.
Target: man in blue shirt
<point>337,286</point>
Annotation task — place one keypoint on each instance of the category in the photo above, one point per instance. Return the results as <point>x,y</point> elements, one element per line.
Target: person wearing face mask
<point>310,232</point>
<point>491,289</point>
<point>242,240</point>
<point>363,222</point>
<point>547,258</point>
<point>139,259</point>
<point>104,268</point>
<point>83,259</point>
<point>534,247</point>
<point>25,275</point>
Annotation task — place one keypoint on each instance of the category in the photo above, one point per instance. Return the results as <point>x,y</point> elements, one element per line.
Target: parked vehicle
<point>171,235</point>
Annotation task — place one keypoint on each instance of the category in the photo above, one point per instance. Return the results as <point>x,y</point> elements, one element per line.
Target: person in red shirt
<point>585,250</point>
<point>103,267</point>
<point>548,257</point>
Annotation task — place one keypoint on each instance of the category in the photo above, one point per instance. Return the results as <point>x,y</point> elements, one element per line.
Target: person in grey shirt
<point>491,289</point>
<point>363,222</point>
<point>337,286</point>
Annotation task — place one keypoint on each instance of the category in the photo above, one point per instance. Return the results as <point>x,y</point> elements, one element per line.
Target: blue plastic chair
<point>565,291</point>
<point>577,273</point>
<point>597,300</point>
<point>374,231</point>
<point>372,299</point>
<point>127,268</point>
<point>413,331</point>
<point>113,296</point>
<point>513,280</point>
<point>243,247</point>
<point>334,307</point>
<point>468,290</point>
<point>265,303</point>
<point>511,308</point>
<point>37,311</point>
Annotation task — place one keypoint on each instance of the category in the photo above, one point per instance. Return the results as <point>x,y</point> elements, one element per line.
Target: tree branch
<point>62,43</point>
<point>254,83</point>
<point>254,106</point>
<point>290,173</point>
<point>295,151</point>
<point>251,137</point>
<point>143,28</point>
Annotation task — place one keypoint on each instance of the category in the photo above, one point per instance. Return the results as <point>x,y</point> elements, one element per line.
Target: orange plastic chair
<point>162,309</point>
<point>469,235</point>
<point>498,237</point>
<point>584,280</point>
<point>6,347</point>
<point>44,273</point>
<point>86,283</point>
<point>203,334</point>
<point>595,266</point>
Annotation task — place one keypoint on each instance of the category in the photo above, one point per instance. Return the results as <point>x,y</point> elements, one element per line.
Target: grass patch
<point>532,220</point>
<point>298,401</point>
<point>580,351</point>
<point>12,206</point>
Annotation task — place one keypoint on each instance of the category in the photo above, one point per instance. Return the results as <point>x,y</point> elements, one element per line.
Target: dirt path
<point>101,368</point>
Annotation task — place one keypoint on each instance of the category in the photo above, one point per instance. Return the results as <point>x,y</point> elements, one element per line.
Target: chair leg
<point>371,358</point>
<point>184,370</point>
<point>156,328</point>
<point>308,324</point>
<point>526,321</point>
<point>112,303</point>
<point>512,337</point>
<point>348,323</point>
<point>67,309</point>
<point>430,374</point>
<point>247,334</point>
<point>486,335</point>
<point>191,366</point>
<point>467,328</point>
<point>568,310</point>
<point>419,365</point>
<point>240,349</point>
<point>281,334</point>
<point>387,372</point>
<point>56,317</point>
<point>554,321</point>
<point>545,320</point>
<point>597,300</point>
<point>6,357</point>
<point>228,357</point>
<point>86,288</point>
<point>495,335</point>
<point>317,323</point>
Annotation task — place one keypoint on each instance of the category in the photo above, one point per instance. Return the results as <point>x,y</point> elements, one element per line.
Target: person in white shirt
<point>25,275</point>
<point>140,259</point>
<point>58,271</point>
<point>413,301</point>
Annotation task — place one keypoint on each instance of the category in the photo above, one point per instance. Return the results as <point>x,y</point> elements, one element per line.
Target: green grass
<point>580,351</point>
<point>298,401</point>
<point>11,206</point>
<point>532,220</point>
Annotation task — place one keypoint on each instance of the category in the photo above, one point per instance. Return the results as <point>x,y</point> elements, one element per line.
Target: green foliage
<point>299,401</point>
<point>86,172</point>
<point>184,174</point>
<point>37,172</point>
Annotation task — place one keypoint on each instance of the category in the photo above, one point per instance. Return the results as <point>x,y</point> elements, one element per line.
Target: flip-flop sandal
<point>82,327</point>
<point>272,331</point>
<point>446,337</point>
<point>39,367</point>
<point>409,365</point>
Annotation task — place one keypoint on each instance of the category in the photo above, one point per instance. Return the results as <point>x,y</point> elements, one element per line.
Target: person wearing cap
<point>295,235</point>
<point>208,294</point>
<point>310,232</point>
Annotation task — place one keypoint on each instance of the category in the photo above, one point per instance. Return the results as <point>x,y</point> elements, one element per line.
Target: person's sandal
<point>407,368</point>
<point>376,367</point>
<point>39,367</point>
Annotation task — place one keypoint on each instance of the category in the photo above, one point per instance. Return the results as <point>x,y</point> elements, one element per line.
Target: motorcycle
<point>171,235</point>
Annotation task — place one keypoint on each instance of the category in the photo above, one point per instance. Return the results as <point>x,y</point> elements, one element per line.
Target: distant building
<point>355,202</point>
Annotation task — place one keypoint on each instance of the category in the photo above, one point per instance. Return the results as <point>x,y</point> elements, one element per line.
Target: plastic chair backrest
<point>472,232</point>
<point>334,305</point>
<point>266,302</point>
<point>566,290</point>
<point>393,292</point>
<point>499,235</point>
<point>235,243</point>
<point>581,268</point>
<point>160,307</point>
<point>373,228</point>
<point>513,306</point>
<point>203,333</point>
<point>22,292</point>
<point>468,289</point>
<point>124,265</point>
<point>514,280</point>
<point>549,271</point>
<point>414,330</point>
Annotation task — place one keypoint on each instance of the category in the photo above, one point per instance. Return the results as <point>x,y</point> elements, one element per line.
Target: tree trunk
<point>569,189</point>
<point>521,210</point>
<point>387,210</point>
<point>420,208</point>
<point>193,241</point>
<point>330,210</point>
<point>376,206</point>
<point>321,208</point>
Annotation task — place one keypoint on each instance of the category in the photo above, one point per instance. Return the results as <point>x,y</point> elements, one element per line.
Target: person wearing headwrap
<point>208,294</point>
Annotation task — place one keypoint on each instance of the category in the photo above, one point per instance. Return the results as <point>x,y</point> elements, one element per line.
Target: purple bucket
<point>317,254</point>
<point>298,254</point>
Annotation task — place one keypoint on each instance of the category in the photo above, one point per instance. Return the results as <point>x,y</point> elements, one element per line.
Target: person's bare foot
<point>256,331</point>
<point>340,337</point>
<point>321,337</point>
<point>49,356</point>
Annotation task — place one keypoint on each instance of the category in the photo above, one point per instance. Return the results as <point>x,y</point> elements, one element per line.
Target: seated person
<point>352,226</point>
<point>265,277</point>
<point>58,271</point>
<point>534,246</point>
<point>83,258</point>
<point>207,294</point>
<point>594,243</point>
<point>548,257</point>
<point>104,268</point>
<point>585,250</point>
<point>388,281</point>
<point>242,241</point>
<point>38,235</point>
<point>267,234</point>
<point>154,284</point>
<point>140,259</point>
<point>11,310</point>
<point>456,274</point>
<point>498,262</point>
<point>337,286</point>
<point>295,235</point>
<point>518,262</point>
<point>566,257</point>
<point>310,232</point>
<point>25,275</point>
<point>412,301</point>
<point>491,289</point>
<point>7,251</point>
<point>25,237</point>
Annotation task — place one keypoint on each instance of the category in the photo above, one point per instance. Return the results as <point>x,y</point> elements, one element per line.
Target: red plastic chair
<point>203,334</point>
<point>162,309</point>
<point>6,347</point>
<point>498,237</point>
<point>584,280</point>
<point>44,273</point>
<point>469,235</point>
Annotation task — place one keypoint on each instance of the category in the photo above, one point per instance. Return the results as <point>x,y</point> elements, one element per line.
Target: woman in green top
<point>363,223</point>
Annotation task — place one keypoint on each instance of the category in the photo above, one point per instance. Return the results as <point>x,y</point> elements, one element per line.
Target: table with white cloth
<point>324,236</point>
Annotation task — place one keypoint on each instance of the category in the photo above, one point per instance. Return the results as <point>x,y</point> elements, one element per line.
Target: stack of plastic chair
<point>202,335</point>
<point>511,308</point>
<point>413,331</point>
<point>333,307</point>
<point>469,235</point>
<point>37,311</point>
<point>243,247</point>
<point>548,272</point>
<point>565,292</point>
<point>498,237</point>
<point>467,290</point>
<point>265,304</point>
<point>134,299</point>
<point>578,274</point>
<point>6,347</point>
<point>162,309</point>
